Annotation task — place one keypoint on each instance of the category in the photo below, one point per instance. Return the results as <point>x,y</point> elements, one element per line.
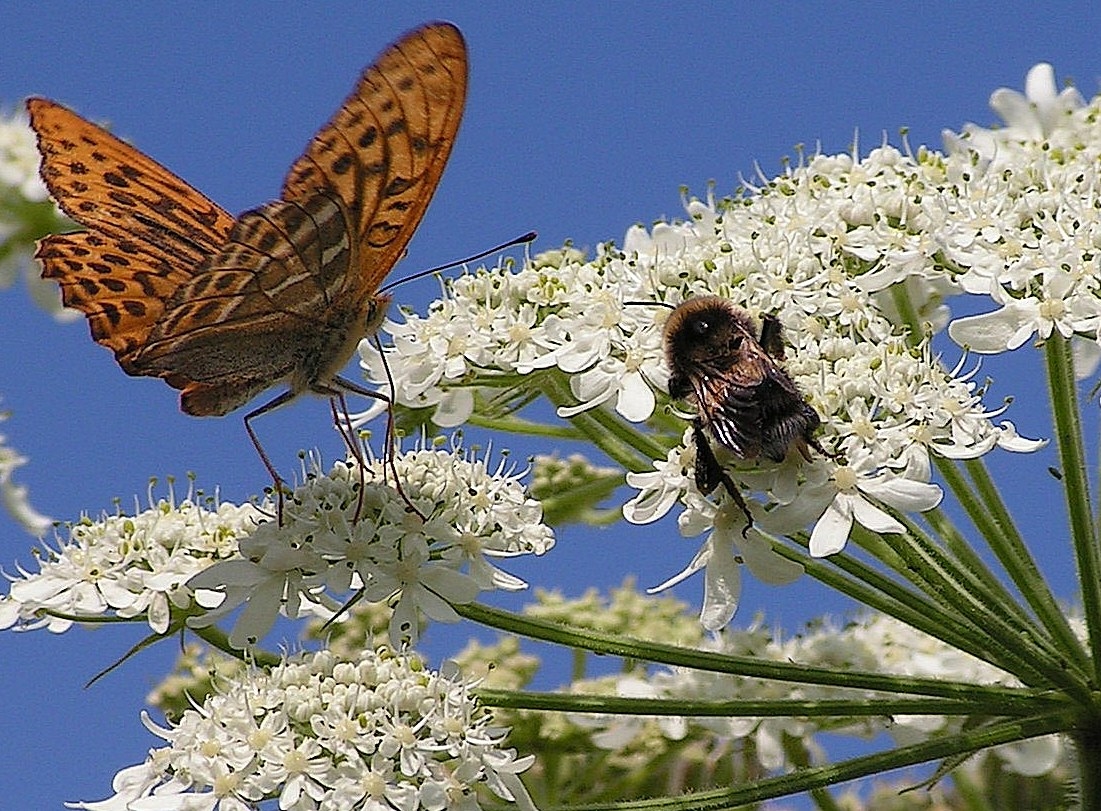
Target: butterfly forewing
<point>149,231</point>
<point>385,149</point>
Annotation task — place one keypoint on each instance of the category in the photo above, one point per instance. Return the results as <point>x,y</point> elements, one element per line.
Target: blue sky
<point>582,119</point>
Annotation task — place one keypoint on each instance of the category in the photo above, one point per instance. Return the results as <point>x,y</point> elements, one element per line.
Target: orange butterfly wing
<point>286,290</point>
<point>385,149</point>
<point>148,230</point>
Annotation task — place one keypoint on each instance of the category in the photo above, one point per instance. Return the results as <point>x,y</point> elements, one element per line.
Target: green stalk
<point>616,645</point>
<point>1021,566</point>
<point>512,424</point>
<point>875,590</point>
<point>1087,742</point>
<point>959,547</point>
<point>1068,433</point>
<point>857,707</point>
<point>1024,648</point>
<point>944,746</point>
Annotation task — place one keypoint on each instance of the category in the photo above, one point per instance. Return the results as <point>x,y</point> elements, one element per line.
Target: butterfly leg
<point>271,405</point>
<point>342,384</point>
<point>343,421</point>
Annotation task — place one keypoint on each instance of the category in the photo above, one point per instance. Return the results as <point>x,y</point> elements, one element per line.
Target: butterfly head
<point>377,308</point>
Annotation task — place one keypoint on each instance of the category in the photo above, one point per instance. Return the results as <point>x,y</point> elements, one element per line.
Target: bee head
<point>705,327</point>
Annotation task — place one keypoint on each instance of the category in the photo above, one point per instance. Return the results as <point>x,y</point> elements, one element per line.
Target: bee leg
<point>710,474</point>
<point>772,336</point>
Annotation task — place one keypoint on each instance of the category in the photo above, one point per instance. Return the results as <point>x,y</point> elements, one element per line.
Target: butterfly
<point>221,307</point>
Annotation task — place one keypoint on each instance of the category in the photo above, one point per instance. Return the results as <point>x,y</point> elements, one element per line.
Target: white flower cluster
<point>22,199</point>
<point>324,734</point>
<point>1009,214</point>
<point>126,566</point>
<point>19,157</point>
<point>875,644</point>
<point>1027,219</point>
<point>343,530</point>
<point>14,496</point>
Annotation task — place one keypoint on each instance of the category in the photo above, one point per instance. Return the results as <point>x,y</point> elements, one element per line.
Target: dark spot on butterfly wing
<point>123,199</point>
<point>342,164</point>
<point>115,179</point>
<point>367,137</point>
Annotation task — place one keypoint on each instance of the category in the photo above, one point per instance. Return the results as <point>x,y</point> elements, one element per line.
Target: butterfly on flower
<point>225,307</point>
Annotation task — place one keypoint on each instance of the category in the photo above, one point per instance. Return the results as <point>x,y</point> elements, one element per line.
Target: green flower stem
<point>1019,563</point>
<point>1087,741</point>
<point>217,638</point>
<point>904,305</point>
<point>1068,433</point>
<point>961,550</point>
<point>989,514</point>
<point>945,746</point>
<point>875,590</point>
<point>657,652</point>
<point>799,756</point>
<point>1023,649</point>
<point>983,504</point>
<point>512,424</point>
<point>860,707</point>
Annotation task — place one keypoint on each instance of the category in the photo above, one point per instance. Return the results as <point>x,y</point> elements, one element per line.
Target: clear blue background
<point>583,119</point>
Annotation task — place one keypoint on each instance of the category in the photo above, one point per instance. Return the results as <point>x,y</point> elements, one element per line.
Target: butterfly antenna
<point>650,304</point>
<point>521,240</point>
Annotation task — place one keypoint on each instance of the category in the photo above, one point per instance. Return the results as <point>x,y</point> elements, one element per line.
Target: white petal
<point>832,530</point>
<point>1010,440</point>
<point>768,566</point>
<point>636,398</point>
<point>722,586</point>
<point>455,408</point>
<point>988,333</point>
<point>903,494</point>
<point>697,563</point>
<point>870,516</point>
<point>1087,354</point>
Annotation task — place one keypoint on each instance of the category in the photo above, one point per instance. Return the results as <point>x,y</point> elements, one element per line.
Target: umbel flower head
<point>175,560</point>
<point>318,732</point>
<point>126,566</point>
<point>854,256</point>
<point>344,531</point>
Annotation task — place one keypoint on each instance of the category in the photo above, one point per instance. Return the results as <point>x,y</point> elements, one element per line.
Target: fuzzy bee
<point>744,398</point>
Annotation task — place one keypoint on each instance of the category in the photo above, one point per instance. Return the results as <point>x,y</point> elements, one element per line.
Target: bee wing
<point>728,398</point>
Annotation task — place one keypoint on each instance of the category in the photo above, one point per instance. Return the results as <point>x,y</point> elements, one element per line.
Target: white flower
<point>722,555</point>
<point>319,732</point>
<point>126,566</point>
<point>14,496</point>
<point>906,492</point>
<point>1032,116</point>
<point>349,530</point>
<point>19,157</point>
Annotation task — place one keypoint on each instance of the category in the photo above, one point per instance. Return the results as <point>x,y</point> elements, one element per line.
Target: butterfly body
<point>225,307</point>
